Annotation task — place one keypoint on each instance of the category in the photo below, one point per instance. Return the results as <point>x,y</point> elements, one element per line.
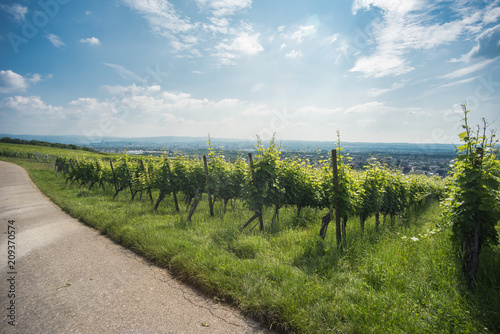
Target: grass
<point>289,278</point>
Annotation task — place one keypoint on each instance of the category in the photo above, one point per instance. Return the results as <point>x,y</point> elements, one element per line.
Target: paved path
<point>70,279</point>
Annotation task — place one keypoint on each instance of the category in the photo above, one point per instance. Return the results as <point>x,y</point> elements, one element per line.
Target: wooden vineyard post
<point>344,235</point>
<point>80,173</point>
<point>193,205</point>
<point>113,172</point>
<point>258,214</point>
<point>149,188</point>
<point>336,192</point>
<point>174,193</point>
<point>71,169</point>
<point>132,194</point>
<point>210,204</point>
<point>327,218</point>
<point>95,181</point>
<point>114,180</point>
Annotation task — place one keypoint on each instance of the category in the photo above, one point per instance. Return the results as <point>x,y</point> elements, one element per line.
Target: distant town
<point>428,159</point>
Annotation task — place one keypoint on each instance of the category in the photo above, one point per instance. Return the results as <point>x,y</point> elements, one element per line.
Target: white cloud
<point>185,43</point>
<point>226,58</point>
<point>124,73</point>
<point>332,39</point>
<point>175,97</point>
<point>31,105</point>
<point>468,70</point>
<point>382,63</point>
<point>132,90</point>
<point>219,25</point>
<point>458,82</point>
<point>165,21</point>
<point>294,54</point>
<point>405,27</point>
<point>86,108</point>
<point>370,107</point>
<point>91,41</point>
<point>84,101</point>
<point>399,7</point>
<point>55,40</point>
<point>227,103</point>
<point>12,82</point>
<point>487,45</point>
<point>17,11</point>
<point>315,110</point>
<point>35,78</point>
<point>195,38</point>
<point>152,99</point>
<point>244,43</point>
<point>171,118</point>
<point>137,109</point>
<point>373,92</point>
<point>161,15</point>
<point>492,13</point>
<point>224,7</point>
<point>303,32</point>
<point>151,112</point>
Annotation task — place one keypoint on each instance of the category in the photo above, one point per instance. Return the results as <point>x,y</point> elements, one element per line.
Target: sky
<point>373,70</point>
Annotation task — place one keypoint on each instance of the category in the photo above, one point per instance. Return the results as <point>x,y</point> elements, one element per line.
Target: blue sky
<point>375,70</point>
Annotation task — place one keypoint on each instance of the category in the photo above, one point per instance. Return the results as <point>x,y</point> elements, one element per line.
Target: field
<point>404,276</point>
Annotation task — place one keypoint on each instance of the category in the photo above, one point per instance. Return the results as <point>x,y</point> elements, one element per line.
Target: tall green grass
<point>289,278</point>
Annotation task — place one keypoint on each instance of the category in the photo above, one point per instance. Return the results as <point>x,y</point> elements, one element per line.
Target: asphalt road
<point>68,278</point>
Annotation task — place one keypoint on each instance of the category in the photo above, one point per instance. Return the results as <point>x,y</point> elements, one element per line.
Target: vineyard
<point>260,181</point>
<point>257,232</point>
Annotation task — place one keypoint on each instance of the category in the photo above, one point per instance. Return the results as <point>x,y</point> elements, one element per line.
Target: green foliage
<point>44,143</point>
<point>348,188</point>
<point>278,182</point>
<point>225,179</point>
<point>301,184</point>
<point>266,188</point>
<point>472,206</point>
<point>373,184</point>
<point>194,177</point>
<point>163,177</point>
<point>122,174</point>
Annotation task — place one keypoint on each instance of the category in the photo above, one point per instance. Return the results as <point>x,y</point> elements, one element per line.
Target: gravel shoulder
<point>68,278</point>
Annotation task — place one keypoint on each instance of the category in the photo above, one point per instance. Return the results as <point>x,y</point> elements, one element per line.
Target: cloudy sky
<point>375,70</point>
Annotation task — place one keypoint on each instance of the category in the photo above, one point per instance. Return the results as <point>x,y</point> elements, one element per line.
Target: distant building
<point>135,152</point>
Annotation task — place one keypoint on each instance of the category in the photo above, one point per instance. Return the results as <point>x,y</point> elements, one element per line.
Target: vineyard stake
<point>114,177</point>
<point>210,204</point>
<point>336,192</point>
<point>149,188</point>
<point>193,206</point>
<point>254,179</point>
<point>174,193</point>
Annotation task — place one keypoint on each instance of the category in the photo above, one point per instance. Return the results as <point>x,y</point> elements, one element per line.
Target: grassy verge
<point>288,277</point>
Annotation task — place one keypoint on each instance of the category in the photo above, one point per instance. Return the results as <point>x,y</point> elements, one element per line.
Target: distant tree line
<point>45,143</point>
